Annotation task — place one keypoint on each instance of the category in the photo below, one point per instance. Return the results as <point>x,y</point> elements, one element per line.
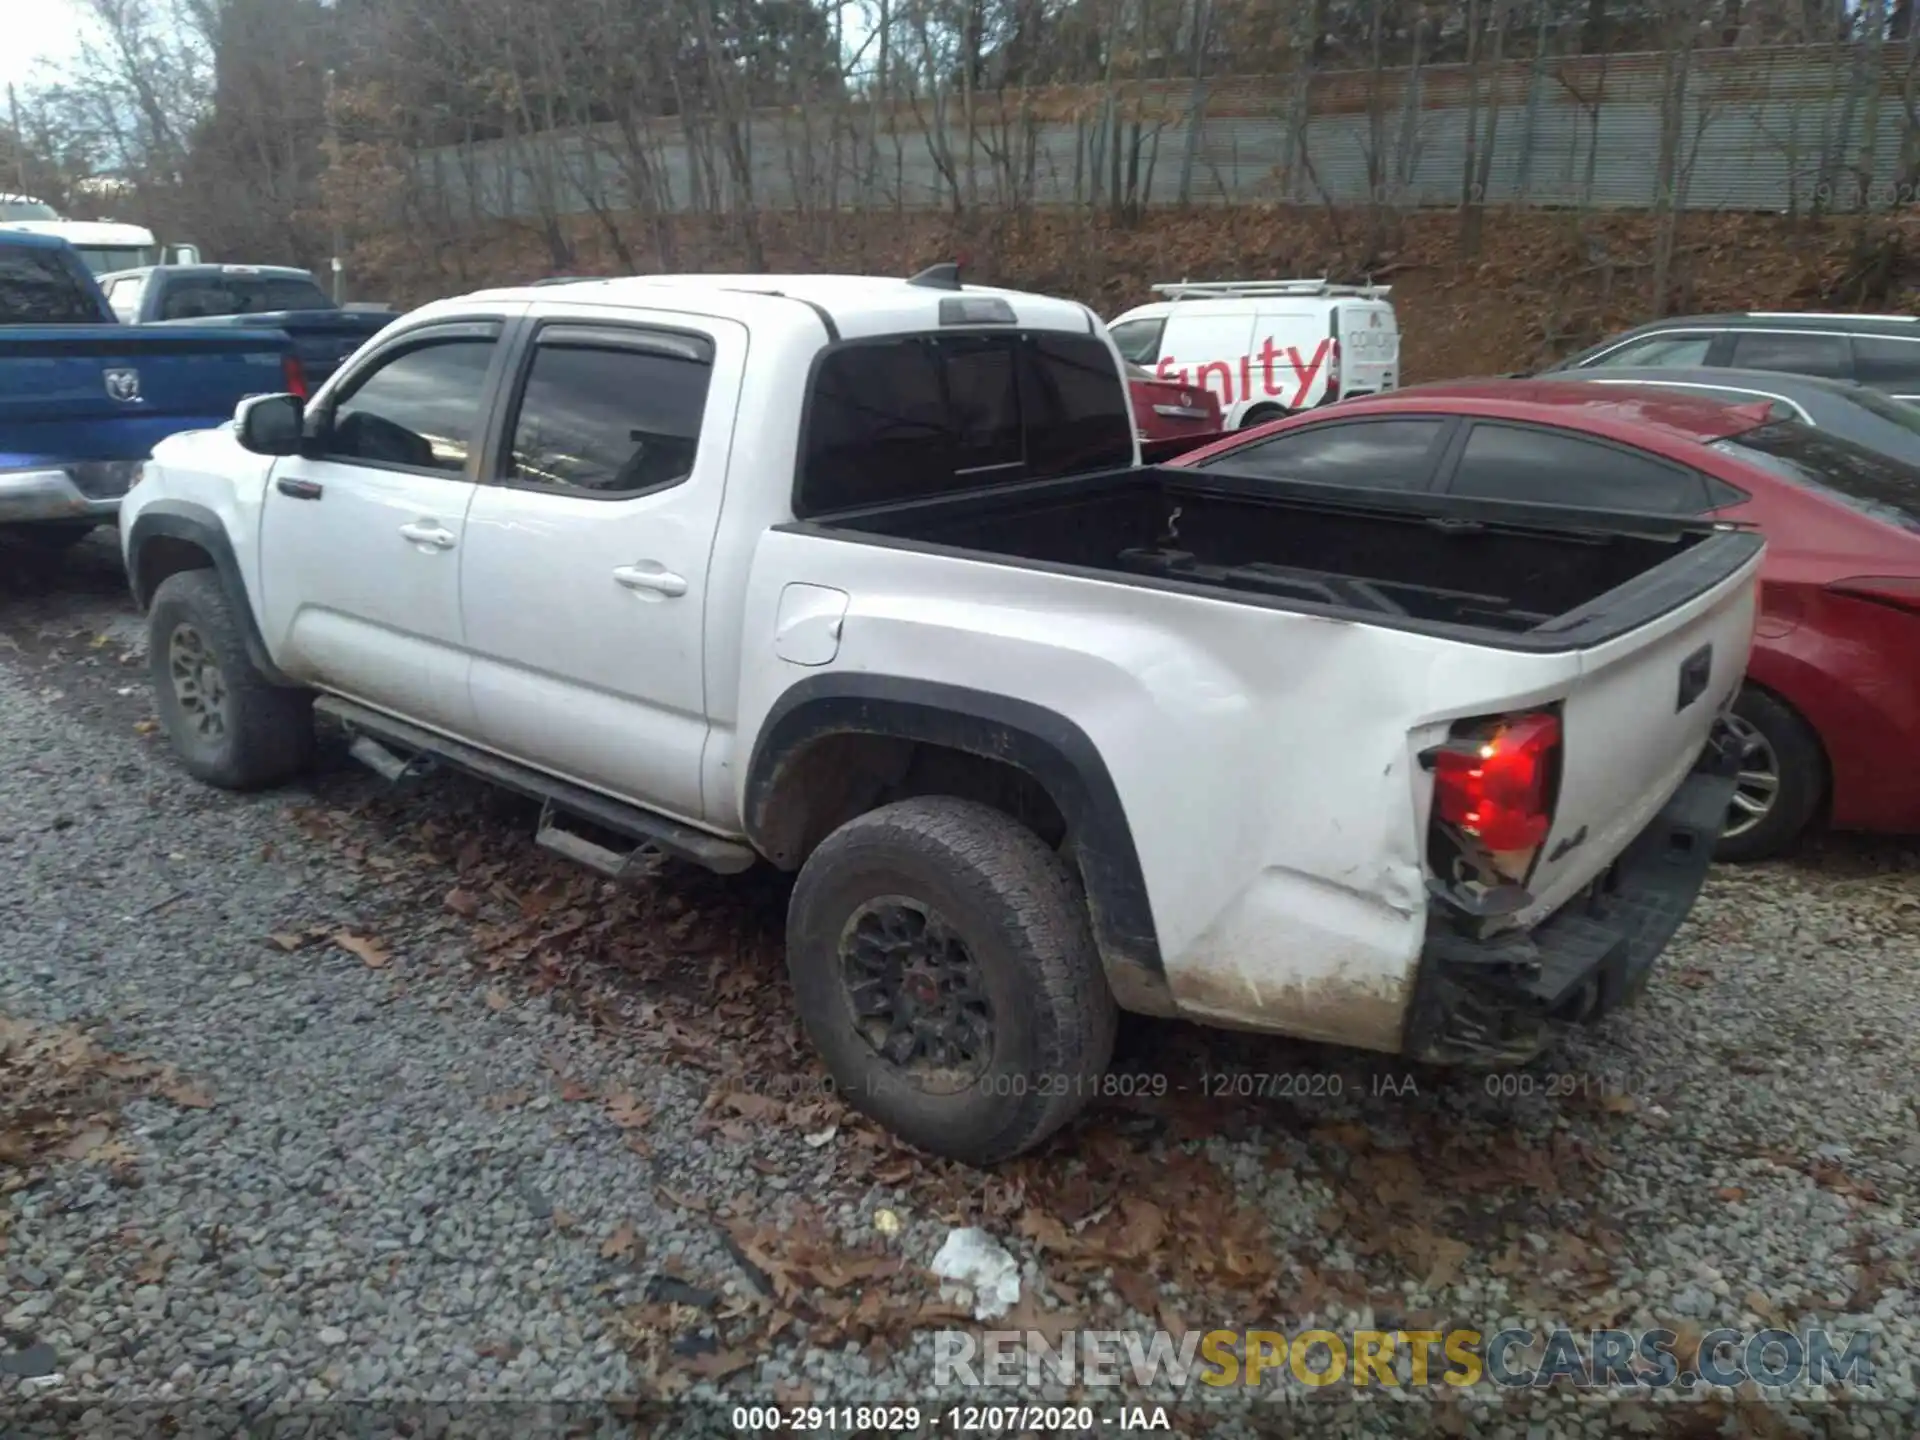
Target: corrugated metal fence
<point>1758,129</point>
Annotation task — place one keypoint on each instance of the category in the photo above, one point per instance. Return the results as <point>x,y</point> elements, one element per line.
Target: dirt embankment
<point>1543,283</point>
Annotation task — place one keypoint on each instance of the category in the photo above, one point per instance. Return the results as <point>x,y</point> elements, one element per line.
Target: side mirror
<point>270,424</point>
<point>183,255</point>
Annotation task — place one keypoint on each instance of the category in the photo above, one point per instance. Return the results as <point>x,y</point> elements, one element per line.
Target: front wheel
<point>1782,778</point>
<point>1261,415</point>
<point>944,967</point>
<point>228,723</point>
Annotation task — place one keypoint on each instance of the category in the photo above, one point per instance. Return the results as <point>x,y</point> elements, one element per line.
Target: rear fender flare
<point>200,527</point>
<point>1050,748</point>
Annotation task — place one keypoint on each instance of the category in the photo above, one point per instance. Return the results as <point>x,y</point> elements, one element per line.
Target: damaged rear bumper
<point>1496,1000</point>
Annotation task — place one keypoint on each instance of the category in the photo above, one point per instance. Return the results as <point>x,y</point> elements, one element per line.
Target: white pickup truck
<point>861,578</point>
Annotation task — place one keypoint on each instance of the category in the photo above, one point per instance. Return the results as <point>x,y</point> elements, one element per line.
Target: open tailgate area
<point>1635,724</point>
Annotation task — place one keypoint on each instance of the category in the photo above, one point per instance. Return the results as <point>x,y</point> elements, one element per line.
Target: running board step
<point>617,864</point>
<point>385,763</point>
<point>558,798</point>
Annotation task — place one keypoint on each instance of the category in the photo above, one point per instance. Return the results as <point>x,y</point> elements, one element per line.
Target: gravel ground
<point>448,1122</point>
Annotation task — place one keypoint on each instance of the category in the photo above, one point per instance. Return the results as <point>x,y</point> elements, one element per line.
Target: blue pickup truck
<point>272,297</point>
<point>84,398</point>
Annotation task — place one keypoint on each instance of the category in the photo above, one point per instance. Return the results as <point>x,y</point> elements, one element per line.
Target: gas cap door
<point>807,631</point>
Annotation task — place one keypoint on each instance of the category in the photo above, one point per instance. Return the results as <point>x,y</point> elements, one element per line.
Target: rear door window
<point>1861,479</point>
<point>1888,363</point>
<point>920,415</point>
<point>612,418</point>
<point>1545,467</point>
<point>1395,454</point>
<point>1793,353</point>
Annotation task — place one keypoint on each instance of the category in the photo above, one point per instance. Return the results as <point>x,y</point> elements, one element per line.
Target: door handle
<point>427,532</point>
<point>656,580</point>
<point>299,489</point>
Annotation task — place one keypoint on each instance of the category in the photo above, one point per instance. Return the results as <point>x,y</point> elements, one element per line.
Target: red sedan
<point>1830,714</point>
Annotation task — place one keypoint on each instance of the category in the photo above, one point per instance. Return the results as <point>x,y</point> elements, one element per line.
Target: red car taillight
<point>1902,592</point>
<point>1497,787</point>
<point>296,376</point>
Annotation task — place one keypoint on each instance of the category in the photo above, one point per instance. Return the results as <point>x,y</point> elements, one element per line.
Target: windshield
<point>19,207</point>
<point>205,295</point>
<point>104,259</point>
<point>1859,478</point>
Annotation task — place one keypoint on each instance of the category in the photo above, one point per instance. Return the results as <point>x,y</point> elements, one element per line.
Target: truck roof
<point>269,272</point>
<point>850,306</point>
<point>30,239</point>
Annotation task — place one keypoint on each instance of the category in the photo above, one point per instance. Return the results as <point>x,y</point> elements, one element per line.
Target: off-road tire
<point>50,538</point>
<point>1016,906</point>
<point>1263,415</point>
<point>1802,765</point>
<point>268,735</point>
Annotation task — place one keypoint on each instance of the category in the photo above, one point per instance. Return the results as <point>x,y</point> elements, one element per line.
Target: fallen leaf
<point>507,1100</point>
<point>463,903</point>
<point>564,1219</point>
<point>1144,1227</point>
<point>620,1243</point>
<point>1730,1193</point>
<point>497,1001</point>
<point>626,1111</point>
<point>371,955</point>
<point>85,1143</point>
<point>184,1092</point>
<point>1137,1288</point>
<point>146,727</point>
<point>1618,1104</point>
<point>720,1364</point>
<point>793,1393</point>
<point>288,942</point>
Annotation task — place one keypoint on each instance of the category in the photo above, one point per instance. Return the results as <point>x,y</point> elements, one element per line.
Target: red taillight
<point>1495,788</point>
<point>1902,592</point>
<point>295,375</point>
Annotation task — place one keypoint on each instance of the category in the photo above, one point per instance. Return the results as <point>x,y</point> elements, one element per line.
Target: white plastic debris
<point>981,1273</point>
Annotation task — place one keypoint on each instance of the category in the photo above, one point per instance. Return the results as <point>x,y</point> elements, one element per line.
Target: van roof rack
<point>1223,289</point>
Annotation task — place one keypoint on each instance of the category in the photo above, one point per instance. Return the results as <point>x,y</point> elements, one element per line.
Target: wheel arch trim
<point>201,527</point>
<point>1046,745</point>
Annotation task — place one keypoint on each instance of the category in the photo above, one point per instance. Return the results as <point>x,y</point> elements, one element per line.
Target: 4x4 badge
<point>122,384</point>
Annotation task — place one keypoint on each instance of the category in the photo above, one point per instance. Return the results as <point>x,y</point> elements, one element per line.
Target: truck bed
<point>1524,576</point>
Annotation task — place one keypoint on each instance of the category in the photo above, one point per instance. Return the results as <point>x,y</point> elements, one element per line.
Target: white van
<point>1266,347</point>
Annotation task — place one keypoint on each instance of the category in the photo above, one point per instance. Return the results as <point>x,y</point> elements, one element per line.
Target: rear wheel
<point>1262,415</point>
<point>229,724</point>
<point>1782,778</point>
<point>944,967</point>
